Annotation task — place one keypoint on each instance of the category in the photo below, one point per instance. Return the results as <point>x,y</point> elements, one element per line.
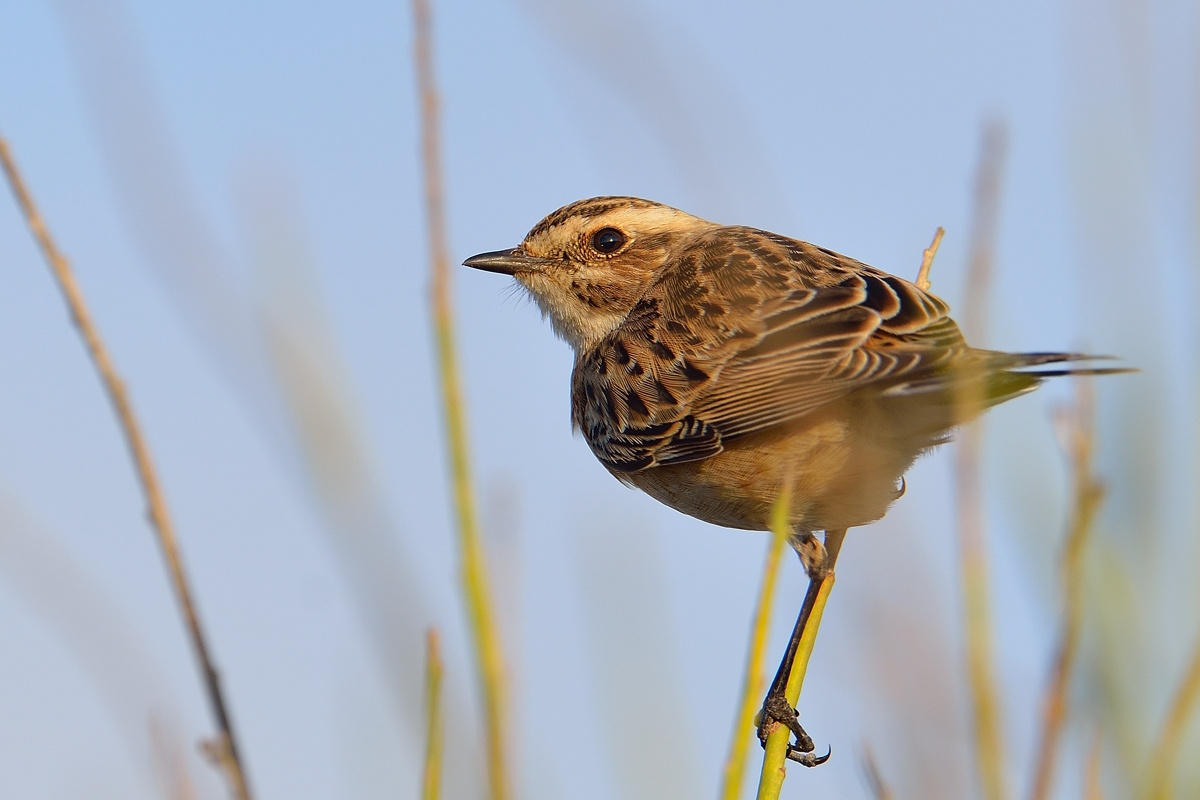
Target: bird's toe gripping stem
<point>777,710</point>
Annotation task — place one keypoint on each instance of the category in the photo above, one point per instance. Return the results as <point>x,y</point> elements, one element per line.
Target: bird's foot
<point>777,710</point>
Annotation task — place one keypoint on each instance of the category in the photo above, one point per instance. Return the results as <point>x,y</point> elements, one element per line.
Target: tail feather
<point>1058,373</point>
<point>932,405</point>
<point>995,377</point>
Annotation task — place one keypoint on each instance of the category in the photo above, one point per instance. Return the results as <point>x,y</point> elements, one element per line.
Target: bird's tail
<point>1007,375</point>
<point>986,378</point>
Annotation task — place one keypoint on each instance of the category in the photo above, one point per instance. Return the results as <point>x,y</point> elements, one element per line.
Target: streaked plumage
<point>712,361</point>
<point>716,366</point>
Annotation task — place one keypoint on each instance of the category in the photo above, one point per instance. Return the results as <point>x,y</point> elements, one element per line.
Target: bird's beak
<point>506,262</point>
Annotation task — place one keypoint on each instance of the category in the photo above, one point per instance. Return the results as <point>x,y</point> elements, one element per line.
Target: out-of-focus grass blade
<point>910,660</point>
<point>880,790</point>
<point>431,784</point>
<point>293,384</point>
<point>475,583</point>
<point>673,88</point>
<point>315,387</point>
<point>634,661</point>
<point>1166,746</point>
<point>99,635</point>
<point>1119,181</point>
<point>1077,432</point>
<point>976,585</point>
<point>223,748</point>
<point>753,682</point>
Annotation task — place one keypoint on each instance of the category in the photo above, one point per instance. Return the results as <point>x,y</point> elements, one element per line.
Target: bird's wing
<point>744,331</point>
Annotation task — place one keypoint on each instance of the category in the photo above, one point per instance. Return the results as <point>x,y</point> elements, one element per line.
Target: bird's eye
<point>607,240</point>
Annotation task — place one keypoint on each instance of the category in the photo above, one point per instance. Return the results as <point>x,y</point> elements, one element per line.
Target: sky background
<point>238,187</point>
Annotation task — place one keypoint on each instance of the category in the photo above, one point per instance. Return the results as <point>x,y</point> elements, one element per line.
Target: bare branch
<point>223,748</point>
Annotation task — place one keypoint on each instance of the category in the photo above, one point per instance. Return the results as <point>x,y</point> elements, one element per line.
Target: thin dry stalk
<point>1166,747</point>
<point>927,256</point>
<point>170,758</point>
<point>475,584</point>
<point>774,766</point>
<point>879,788</point>
<point>989,750</point>
<point>752,684</point>
<point>1077,430</point>
<point>223,748</point>
<point>431,784</point>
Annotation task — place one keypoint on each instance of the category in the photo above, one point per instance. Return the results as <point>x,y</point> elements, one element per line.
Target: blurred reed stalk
<point>475,585</point>
<point>752,684</point>
<point>431,784</point>
<point>973,562</point>
<point>223,750</point>
<point>1091,773</point>
<point>171,762</point>
<point>1166,746</point>
<point>1077,434</point>
<point>774,766</point>
<point>875,782</point>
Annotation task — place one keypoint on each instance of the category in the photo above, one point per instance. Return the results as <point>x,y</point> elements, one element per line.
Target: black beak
<point>506,262</point>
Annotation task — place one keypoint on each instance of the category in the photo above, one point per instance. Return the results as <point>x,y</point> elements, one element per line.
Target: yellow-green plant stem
<point>223,748</point>
<point>475,585</point>
<point>774,769</point>
<point>431,783</point>
<point>752,684</point>
<point>1166,749</point>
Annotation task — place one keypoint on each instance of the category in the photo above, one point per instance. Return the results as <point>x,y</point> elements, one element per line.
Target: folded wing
<point>748,330</point>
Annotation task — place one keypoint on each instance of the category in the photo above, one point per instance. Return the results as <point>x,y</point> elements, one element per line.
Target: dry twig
<point>223,748</point>
<point>927,256</point>
<point>475,584</point>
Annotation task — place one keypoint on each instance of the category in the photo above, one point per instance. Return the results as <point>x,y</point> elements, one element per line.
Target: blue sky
<point>238,187</point>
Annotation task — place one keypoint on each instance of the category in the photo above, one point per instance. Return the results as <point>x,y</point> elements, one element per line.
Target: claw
<point>777,710</point>
<point>807,759</point>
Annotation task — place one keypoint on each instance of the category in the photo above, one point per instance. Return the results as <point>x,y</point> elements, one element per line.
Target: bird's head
<point>587,264</point>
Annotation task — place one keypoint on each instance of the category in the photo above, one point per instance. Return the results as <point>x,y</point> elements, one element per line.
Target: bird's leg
<point>818,562</point>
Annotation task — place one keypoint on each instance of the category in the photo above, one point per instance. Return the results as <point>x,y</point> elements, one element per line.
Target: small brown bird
<point>718,366</point>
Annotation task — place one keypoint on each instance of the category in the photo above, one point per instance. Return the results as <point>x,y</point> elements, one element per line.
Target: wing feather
<point>744,331</point>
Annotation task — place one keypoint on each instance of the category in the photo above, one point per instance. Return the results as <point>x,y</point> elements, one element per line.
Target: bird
<point>720,366</point>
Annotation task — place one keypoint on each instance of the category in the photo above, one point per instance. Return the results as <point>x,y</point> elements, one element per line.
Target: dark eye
<point>607,240</point>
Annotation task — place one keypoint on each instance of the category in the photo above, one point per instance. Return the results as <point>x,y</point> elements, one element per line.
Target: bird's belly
<point>838,478</point>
